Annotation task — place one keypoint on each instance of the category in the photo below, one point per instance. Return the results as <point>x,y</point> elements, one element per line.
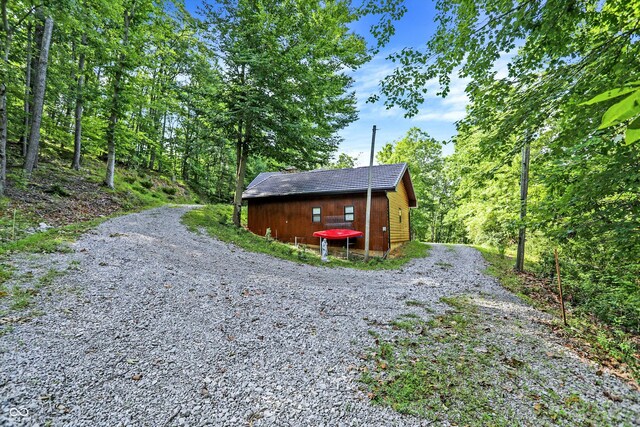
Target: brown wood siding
<point>399,200</point>
<point>290,217</point>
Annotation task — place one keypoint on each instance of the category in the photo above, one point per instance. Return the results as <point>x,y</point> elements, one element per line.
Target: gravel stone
<point>225,337</point>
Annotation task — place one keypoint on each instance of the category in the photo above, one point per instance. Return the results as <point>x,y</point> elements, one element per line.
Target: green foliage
<point>623,110</point>
<point>58,190</point>
<point>431,183</point>
<point>214,219</point>
<point>584,189</point>
<point>169,190</point>
<point>344,161</point>
<point>146,184</point>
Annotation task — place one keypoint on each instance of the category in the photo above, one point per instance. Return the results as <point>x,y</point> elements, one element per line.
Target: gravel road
<point>152,325</point>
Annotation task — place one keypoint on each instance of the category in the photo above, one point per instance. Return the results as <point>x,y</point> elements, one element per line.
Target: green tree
<point>287,91</point>
<point>423,154</point>
<point>344,161</point>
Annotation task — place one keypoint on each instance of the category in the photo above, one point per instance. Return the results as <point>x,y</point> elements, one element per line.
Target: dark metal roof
<point>328,181</point>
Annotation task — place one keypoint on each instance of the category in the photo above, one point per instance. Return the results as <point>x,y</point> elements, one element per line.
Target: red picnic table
<point>337,234</point>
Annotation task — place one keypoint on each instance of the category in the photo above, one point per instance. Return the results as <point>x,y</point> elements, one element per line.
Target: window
<point>348,213</point>
<point>400,215</point>
<point>316,215</point>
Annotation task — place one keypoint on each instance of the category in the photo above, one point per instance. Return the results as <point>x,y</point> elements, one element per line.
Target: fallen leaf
<point>571,400</point>
<point>204,392</point>
<point>512,361</point>
<point>612,396</point>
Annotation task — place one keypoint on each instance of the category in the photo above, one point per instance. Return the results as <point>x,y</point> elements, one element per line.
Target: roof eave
<point>316,193</point>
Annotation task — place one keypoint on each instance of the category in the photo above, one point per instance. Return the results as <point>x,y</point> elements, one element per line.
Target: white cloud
<point>437,115</point>
<point>445,116</point>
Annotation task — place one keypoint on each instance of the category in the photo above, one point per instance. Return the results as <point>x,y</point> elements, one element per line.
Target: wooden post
<point>347,249</point>
<point>564,314</point>
<point>368,213</point>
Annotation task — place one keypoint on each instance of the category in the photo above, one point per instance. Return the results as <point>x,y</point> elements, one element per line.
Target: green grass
<point>216,220</point>
<point>442,371</point>
<point>416,303</point>
<point>137,192</point>
<point>52,240</point>
<point>48,278</point>
<point>605,343</point>
<point>21,298</point>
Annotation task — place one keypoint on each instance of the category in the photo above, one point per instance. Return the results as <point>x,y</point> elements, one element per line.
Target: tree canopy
<point>570,91</point>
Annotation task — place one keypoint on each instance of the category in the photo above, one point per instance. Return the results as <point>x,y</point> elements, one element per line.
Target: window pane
<point>348,209</point>
<point>316,211</point>
<point>316,218</point>
<point>348,217</point>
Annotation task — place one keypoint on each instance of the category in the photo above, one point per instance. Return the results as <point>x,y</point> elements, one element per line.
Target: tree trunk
<point>115,106</point>
<point>524,189</point>
<point>3,100</point>
<point>38,32</point>
<point>152,159</point>
<point>77,146</point>
<point>162,140</point>
<point>433,227</point>
<point>242,151</point>
<point>27,94</point>
<point>111,130</point>
<point>38,99</point>
<point>3,137</point>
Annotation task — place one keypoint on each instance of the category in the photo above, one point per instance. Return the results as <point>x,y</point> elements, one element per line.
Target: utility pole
<point>368,215</point>
<point>524,188</point>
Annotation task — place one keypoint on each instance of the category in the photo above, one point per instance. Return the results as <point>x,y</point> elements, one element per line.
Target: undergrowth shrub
<point>146,184</point>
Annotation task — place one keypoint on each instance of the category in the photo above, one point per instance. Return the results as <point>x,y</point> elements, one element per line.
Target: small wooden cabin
<point>295,205</point>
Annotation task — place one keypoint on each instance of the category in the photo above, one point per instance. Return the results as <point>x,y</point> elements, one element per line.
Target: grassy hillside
<point>58,200</point>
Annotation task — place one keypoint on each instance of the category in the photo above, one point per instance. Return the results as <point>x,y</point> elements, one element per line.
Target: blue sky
<point>437,116</point>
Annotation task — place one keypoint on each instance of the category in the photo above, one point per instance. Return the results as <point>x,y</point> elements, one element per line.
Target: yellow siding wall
<point>399,200</point>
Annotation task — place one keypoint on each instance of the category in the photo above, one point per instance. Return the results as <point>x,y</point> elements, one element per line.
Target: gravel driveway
<point>153,325</point>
